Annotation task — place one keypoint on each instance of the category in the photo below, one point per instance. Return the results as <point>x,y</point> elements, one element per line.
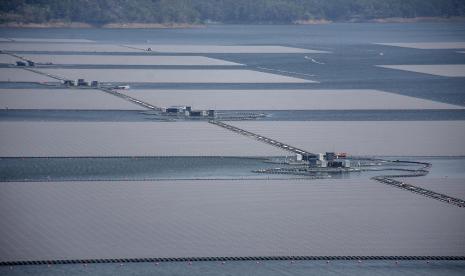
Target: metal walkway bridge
<point>129,98</point>
<point>389,180</point>
<point>263,139</point>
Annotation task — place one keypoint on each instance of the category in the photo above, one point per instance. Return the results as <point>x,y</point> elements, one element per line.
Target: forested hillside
<point>98,12</point>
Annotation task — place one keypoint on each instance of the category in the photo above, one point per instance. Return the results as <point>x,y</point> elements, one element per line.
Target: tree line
<point>98,12</point>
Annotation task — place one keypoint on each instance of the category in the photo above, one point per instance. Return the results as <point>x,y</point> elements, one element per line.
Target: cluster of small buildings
<point>25,63</point>
<point>81,82</point>
<point>328,160</point>
<point>189,112</point>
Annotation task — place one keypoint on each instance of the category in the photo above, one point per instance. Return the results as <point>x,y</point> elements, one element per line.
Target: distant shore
<point>417,19</point>
<point>151,26</point>
<point>81,25</point>
<point>313,22</point>
<point>187,26</point>
<point>384,20</point>
<point>46,25</point>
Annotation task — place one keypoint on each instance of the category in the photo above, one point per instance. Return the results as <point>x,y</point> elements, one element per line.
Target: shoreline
<point>151,26</point>
<point>82,25</point>
<point>388,20</point>
<point>454,19</point>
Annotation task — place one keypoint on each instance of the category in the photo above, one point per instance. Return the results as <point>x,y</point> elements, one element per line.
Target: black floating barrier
<point>245,258</point>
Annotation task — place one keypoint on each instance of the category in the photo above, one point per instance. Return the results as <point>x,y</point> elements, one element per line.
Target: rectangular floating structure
<point>65,47</point>
<point>22,75</point>
<point>444,70</point>
<point>388,138</point>
<point>58,40</point>
<point>174,75</point>
<point>168,219</point>
<point>61,99</point>
<point>61,139</point>
<point>225,49</point>
<point>428,45</point>
<point>286,99</point>
<point>126,60</point>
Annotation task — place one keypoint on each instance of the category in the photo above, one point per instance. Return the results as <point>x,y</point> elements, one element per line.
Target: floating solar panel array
<point>63,99</point>
<point>198,218</point>
<point>362,99</point>
<point>112,220</point>
<point>373,138</point>
<point>97,139</point>
<point>443,70</point>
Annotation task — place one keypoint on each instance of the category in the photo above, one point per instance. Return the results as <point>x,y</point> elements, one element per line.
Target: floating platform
<point>121,220</point>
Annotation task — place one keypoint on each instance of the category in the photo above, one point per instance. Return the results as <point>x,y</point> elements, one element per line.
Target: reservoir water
<point>350,63</point>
